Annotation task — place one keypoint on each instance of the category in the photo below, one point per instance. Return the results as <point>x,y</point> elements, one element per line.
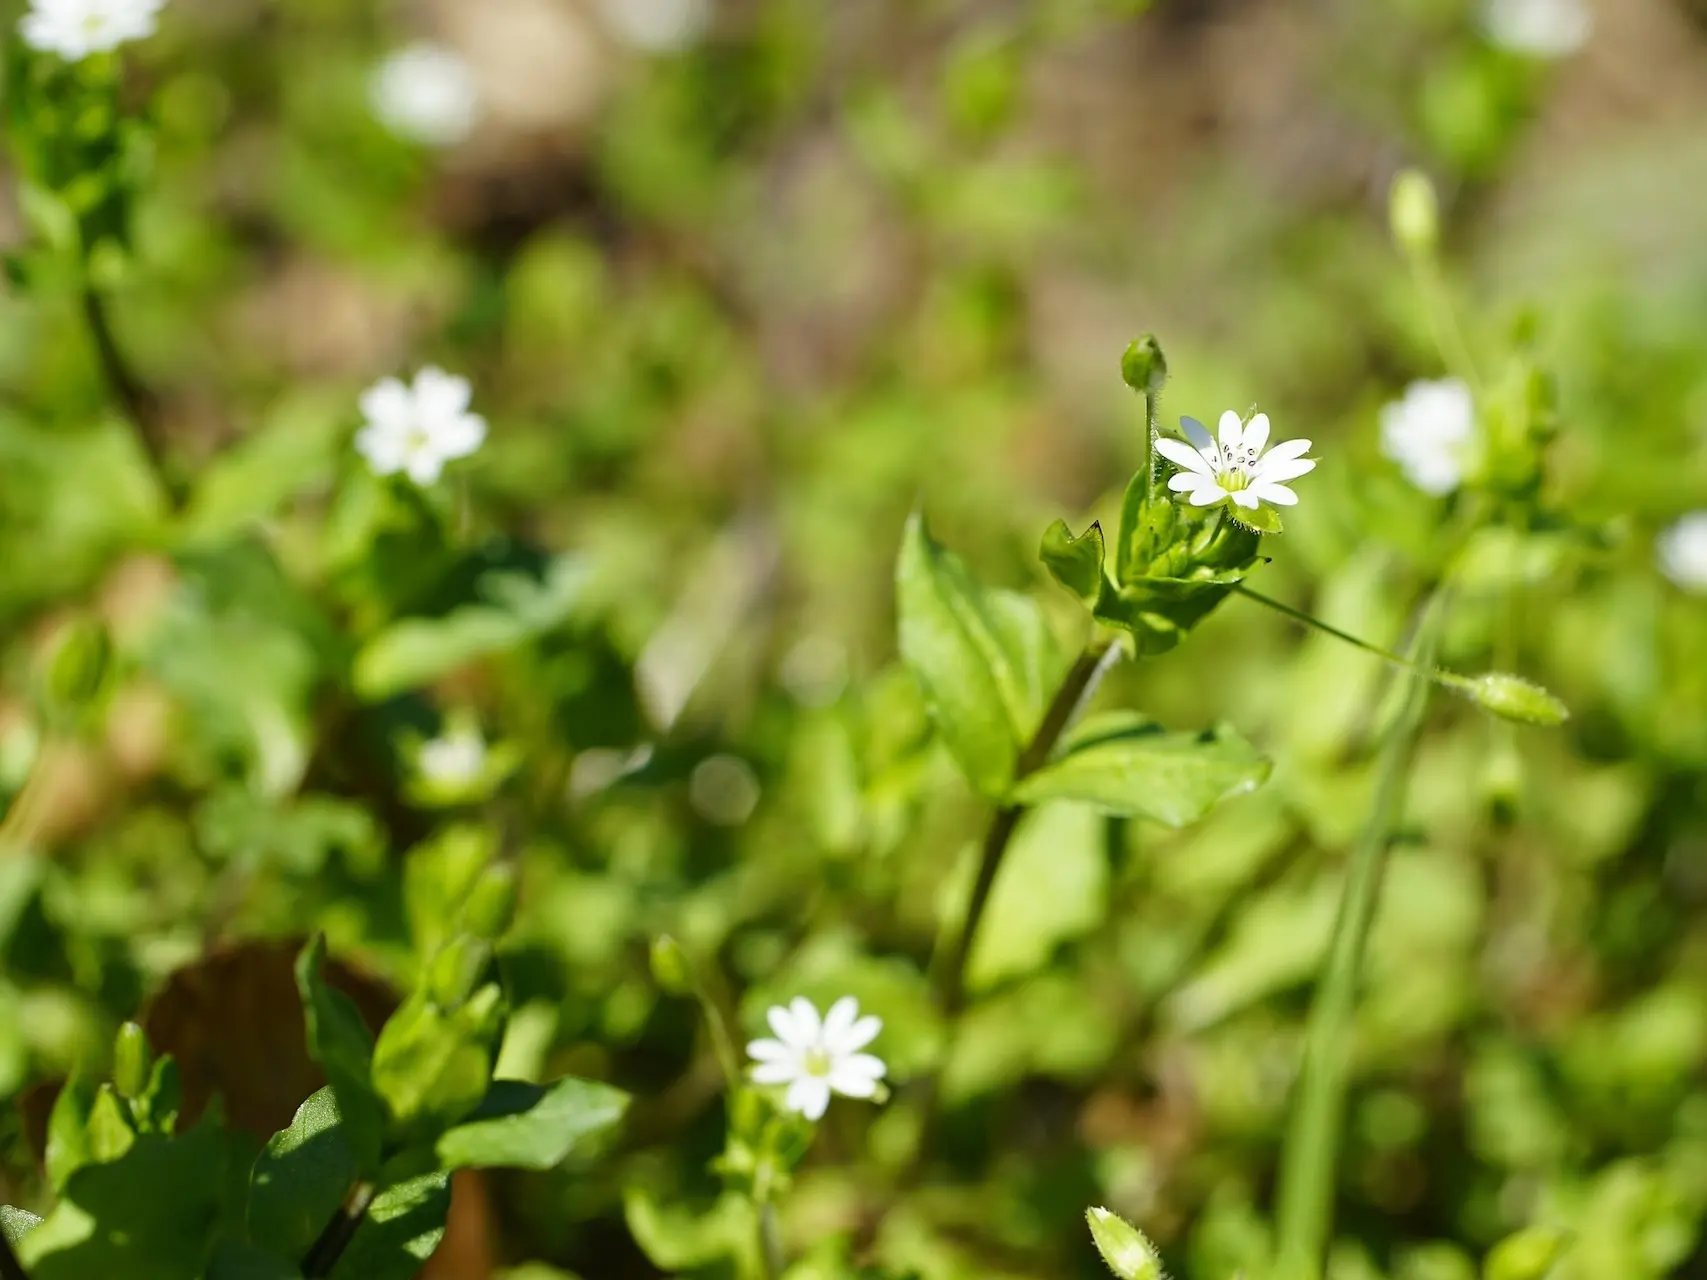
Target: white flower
<point>76,28</point>
<point>1237,468</point>
<point>1538,28</point>
<point>1431,433</point>
<point>454,760</point>
<point>418,429</point>
<point>657,26</point>
<point>1682,551</point>
<point>817,1058</point>
<point>426,93</point>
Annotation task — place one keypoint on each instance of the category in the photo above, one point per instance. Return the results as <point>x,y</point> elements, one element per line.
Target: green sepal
<point>1263,520</point>
<point>1076,563</point>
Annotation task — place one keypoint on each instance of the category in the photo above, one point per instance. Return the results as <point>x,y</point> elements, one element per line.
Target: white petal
<point>1278,494</point>
<point>1256,432</point>
<point>769,1051</point>
<point>461,436</point>
<point>1246,498</point>
<point>425,466</point>
<point>1267,470</point>
<point>1186,481</point>
<point>806,1022</point>
<point>809,1095</point>
<point>837,1020</point>
<point>1286,451</point>
<point>1198,434</point>
<point>856,1037</point>
<point>1183,455</point>
<point>388,404</point>
<point>1232,430</point>
<point>384,450</point>
<point>782,1022</point>
<point>868,1065</point>
<point>1208,495</point>
<point>853,1082</point>
<point>775,1072</point>
<point>441,395</point>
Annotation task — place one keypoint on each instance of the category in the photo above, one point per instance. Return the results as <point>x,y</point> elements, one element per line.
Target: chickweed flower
<point>455,760</point>
<point>1682,552</point>
<point>1236,469</point>
<point>74,29</point>
<point>417,429</point>
<point>817,1057</point>
<point>427,94</point>
<point>657,26</point>
<point>1431,433</point>
<point>1538,28</point>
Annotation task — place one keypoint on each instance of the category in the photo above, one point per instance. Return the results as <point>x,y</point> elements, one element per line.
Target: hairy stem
<point>140,404</point>
<point>326,1251</point>
<point>1075,691</point>
<point>1309,1161</point>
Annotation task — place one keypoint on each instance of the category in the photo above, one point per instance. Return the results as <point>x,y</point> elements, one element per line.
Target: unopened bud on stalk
<point>132,1061</point>
<point>1528,1255</point>
<point>670,966</point>
<point>1513,698</point>
<point>1128,1254</point>
<point>1413,211</point>
<point>1144,367</point>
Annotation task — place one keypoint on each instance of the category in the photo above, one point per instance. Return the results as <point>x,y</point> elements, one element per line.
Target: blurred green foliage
<point>733,311</point>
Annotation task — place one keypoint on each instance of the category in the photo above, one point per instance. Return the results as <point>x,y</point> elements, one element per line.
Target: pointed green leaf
<point>1132,504</point>
<point>301,1178</point>
<point>1130,766</point>
<point>403,1226</point>
<point>339,1041</point>
<point>15,1224</point>
<point>68,1130</point>
<point>528,1126</point>
<point>433,1067</point>
<point>982,657</point>
<point>1076,563</point>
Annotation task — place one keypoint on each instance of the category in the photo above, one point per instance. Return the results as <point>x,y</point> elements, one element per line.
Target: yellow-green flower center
<point>816,1062</point>
<point>1233,479</point>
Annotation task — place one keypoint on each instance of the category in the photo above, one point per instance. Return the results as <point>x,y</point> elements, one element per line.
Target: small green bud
<point>1128,1254</point>
<point>670,966</point>
<point>1514,698</point>
<point>491,902</point>
<point>1528,1255</point>
<point>1413,211</point>
<point>1144,367</point>
<point>132,1061</point>
<point>75,671</point>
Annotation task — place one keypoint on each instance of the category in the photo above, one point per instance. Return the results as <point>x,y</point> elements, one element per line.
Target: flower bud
<point>75,671</point>
<point>132,1061</point>
<point>1515,698</point>
<point>1413,211</point>
<point>670,966</point>
<point>491,902</point>
<point>1144,367</point>
<point>1128,1254</point>
<point>1528,1255</point>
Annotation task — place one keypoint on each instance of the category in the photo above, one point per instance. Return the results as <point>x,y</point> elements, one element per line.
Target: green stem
<point>139,403</point>
<point>1445,679</point>
<point>1305,1199</point>
<point>1443,321</point>
<point>326,1251</point>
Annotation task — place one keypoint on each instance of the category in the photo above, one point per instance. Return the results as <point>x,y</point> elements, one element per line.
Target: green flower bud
<point>1144,367</point>
<point>491,902</point>
<point>74,674</point>
<point>670,966</point>
<point>1413,211</point>
<point>1128,1254</point>
<point>1514,698</point>
<point>132,1061</point>
<point>1528,1255</point>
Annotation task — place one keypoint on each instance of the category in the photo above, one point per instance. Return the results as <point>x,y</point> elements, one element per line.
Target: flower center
<point>816,1062</point>
<point>416,440</point>
<point>1233,479</point>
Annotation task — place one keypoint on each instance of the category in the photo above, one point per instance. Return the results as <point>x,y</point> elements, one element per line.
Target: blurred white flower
<point>1682,552</point>
<point>1431,433</point>
<point>657,26</point>
<point>455,760</point>
<point>426,93</point>
<point>416,430</point>
<point>1538,28</point>
<point>817,1057</point>
<point>76,28</point>
<point>1236,468</point>
<point>724,790</point>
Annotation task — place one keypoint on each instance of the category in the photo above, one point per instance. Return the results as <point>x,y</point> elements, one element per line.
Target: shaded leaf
<point>340,1042</point>
<point>235,1259</point>
<point>529,1126</point>
<point>402,1229</point>
<point>301,1178</point>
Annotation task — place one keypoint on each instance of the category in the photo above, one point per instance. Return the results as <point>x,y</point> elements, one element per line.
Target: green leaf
<point>433,1067</point>
<point>415,651</point>
<point>149,1215</point>
<point>403,1226</point>
<point>529,1126</point>
<point>301,1178</point>
<point>68,1130</point>
<point>15,1224</point>
<point>677,1238</point>
<point>982,657</point>
<point>1076,563</point>
<point>235,1259</point>
<point>339,1041</point>
<point>1127,765</point>
<point>1132,504</point>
